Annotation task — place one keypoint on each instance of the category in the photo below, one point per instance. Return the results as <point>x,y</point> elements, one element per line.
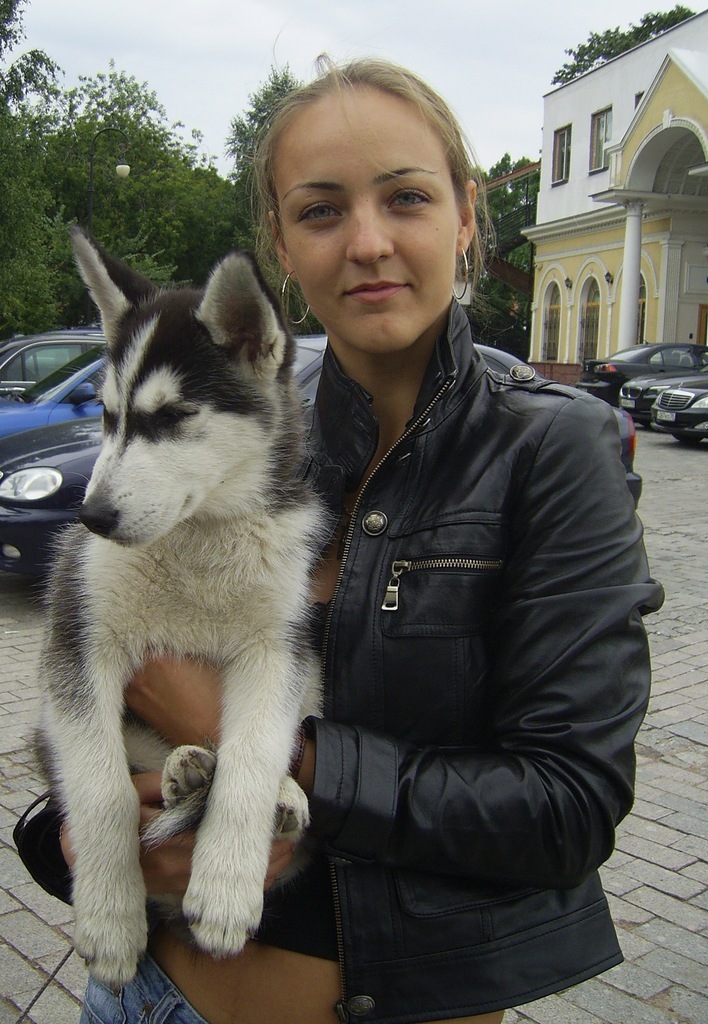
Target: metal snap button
<point>374,523</point>
<point>360,1005</point>
<point>522,372</point>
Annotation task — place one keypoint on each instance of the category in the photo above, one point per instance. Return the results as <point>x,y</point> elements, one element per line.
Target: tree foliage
<point>500,314</point>
<point>603,46</point>
<point>241,142</point>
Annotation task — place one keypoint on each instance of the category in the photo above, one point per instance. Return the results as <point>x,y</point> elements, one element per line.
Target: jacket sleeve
<point>537,803</point>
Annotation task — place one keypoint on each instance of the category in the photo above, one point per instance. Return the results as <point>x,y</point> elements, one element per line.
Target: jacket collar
<point>345,432</point>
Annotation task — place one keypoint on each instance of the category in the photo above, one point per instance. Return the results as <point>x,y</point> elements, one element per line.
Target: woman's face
<point>369,222</point>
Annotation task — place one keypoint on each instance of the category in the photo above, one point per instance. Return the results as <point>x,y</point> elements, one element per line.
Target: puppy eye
<point>171,415</point>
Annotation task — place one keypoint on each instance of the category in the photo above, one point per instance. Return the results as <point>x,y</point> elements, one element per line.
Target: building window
<point>641,312</point>
<point>589,322</point>
<point>600,135</point>
<point>551,323</point>
<point>561,155</point>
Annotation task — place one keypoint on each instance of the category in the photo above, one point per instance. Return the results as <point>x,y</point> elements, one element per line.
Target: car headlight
<point>702,403</point>
<point>31,484</point>
<point>656,389</point>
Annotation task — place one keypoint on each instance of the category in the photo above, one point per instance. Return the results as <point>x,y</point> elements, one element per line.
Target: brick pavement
<point>657,879</point>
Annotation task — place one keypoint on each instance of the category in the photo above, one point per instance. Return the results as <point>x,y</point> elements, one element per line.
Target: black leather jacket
<point>486,672</point>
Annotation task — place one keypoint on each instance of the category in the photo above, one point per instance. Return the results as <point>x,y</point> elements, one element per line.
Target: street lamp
<point>122,169</point>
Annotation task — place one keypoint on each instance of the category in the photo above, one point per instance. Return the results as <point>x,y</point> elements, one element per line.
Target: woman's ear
<point>468,222</point>
<point>277,236</point>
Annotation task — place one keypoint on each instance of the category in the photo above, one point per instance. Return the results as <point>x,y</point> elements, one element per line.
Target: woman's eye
<point>410,197</point>
<point>319,211</point>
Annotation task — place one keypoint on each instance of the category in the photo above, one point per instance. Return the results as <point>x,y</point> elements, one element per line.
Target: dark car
<point>66,394</point>
<point>637,396</point>
<point>44,472</point>
<point>604,377</point>
<point>683,411</point>
<point>26,360</point>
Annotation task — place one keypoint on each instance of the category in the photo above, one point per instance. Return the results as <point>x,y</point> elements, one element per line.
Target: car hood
<point>45,446</point>
<point>690,380</point>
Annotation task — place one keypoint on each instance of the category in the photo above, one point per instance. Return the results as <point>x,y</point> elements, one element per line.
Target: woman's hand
<point>167,867</point>
<point>179,698</point>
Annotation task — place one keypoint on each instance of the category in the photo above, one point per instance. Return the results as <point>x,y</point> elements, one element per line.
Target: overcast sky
<point>493,61</point>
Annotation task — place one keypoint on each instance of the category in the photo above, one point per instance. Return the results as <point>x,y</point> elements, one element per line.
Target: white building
<point>621,228</point>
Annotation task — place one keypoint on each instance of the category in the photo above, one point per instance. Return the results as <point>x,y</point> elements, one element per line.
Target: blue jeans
<point>150,998</point>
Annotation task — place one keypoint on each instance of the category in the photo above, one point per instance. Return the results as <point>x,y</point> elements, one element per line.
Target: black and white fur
<point>200,544</point>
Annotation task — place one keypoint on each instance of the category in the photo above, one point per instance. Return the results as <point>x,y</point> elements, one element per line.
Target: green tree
<point>26,292</point>
<point>500,313</point>
<point>171,218</point>
<point>242,140</point>
<point>603,46</point>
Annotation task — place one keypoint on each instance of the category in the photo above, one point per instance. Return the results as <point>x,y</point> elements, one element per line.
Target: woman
<point>484,660</point>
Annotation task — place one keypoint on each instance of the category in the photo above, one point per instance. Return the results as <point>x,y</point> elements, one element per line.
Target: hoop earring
<point>465,279</point>
<point>284,302</point>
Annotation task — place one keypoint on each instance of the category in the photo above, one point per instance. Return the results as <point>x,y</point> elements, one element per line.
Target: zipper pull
<point>390,603</point>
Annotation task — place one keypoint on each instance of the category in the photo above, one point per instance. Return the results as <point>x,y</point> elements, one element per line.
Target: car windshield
<point>44,389</point>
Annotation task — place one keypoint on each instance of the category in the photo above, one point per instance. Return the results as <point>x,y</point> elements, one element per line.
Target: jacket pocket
<point>438,595</point>
<point>423,895</point>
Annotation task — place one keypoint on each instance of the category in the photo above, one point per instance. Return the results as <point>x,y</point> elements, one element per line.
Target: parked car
<point>604,377</point>
<point>67,393</point>
<point>637,396</point>
<point>44,472</point>
<point>26,360</point>
<point>683,411</point>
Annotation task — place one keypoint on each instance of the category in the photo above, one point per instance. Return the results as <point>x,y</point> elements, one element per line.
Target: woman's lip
<point>378,292</point>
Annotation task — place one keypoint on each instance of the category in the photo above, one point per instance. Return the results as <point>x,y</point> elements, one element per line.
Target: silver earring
<point>465,278</point>
<point>284,302</point>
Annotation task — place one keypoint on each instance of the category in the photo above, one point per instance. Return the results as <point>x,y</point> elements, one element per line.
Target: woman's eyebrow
<point>381,179</point>
<point>334,186</point>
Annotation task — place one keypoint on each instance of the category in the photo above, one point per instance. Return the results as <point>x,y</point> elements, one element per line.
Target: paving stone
<point>615,1006</point>
<point>679,912</point>
<point>29,935</point>
<point>674,967</point>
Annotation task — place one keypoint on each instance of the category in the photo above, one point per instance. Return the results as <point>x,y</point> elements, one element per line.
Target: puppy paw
<point>292,816</point>
<point>186,769</point>
<point>221,926</point>
<point>111,946</point>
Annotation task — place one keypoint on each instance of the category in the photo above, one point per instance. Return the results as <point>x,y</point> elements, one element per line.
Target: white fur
<point>200,566</point>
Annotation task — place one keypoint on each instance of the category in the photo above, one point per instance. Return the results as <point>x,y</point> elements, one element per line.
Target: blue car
<point>69,393</point>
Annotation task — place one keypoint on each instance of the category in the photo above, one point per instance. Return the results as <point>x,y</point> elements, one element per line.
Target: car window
<point>656,360</point>
<point>678,357</point>
<point>43,388</point>
<point>13,369</point>
<point>42,360</point>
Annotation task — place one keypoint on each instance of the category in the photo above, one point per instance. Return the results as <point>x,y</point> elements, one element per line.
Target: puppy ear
<point>240,314</point>
<point>114,287</point>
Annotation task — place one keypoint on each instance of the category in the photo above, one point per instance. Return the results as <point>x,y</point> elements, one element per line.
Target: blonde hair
<point>386,77</point>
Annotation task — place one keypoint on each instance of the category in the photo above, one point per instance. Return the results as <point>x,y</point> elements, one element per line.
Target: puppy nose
<point>99,518</point>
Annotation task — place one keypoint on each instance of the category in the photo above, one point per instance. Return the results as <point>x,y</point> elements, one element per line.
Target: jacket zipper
<point>401,566</point>
<point>341,1007</point>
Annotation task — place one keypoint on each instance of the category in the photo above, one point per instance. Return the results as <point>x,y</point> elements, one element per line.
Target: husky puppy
<point>198,540</point>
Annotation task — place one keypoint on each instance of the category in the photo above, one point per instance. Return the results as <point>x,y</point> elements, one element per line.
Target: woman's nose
<point>369,238</point>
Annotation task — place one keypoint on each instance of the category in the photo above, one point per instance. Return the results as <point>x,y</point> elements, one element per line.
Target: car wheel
<point>690,441</point>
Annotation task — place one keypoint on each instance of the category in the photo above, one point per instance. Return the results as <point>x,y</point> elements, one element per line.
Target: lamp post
<point>122,170</point>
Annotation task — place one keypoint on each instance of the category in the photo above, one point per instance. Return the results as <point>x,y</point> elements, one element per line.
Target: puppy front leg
<point>224,901</point>
<point>103,815</point>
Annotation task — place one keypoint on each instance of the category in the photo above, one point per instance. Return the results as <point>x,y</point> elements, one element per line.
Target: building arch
<point>663,161</point>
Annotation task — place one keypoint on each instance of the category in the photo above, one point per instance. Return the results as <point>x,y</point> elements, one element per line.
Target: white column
<point>631,267</point>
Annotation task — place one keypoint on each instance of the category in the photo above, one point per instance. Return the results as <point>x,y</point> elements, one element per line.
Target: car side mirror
<point>82,393</point>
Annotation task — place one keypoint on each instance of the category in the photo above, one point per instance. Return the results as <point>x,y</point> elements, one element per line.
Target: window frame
<point>562,148</point>
<point>600,135</point>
